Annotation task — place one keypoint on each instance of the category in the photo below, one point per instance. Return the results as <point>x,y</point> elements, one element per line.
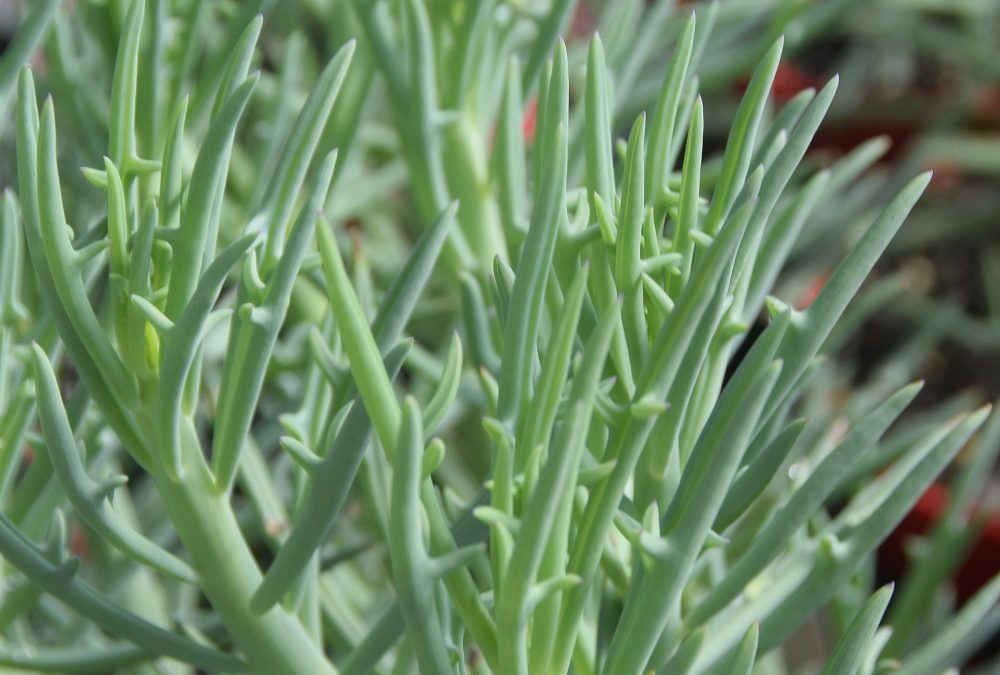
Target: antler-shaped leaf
<point>29,33</point>
<point>661,128</point>
<point>278,202</point>
<point>701,492</point>
<point>11,263</point>
<point>396,305</point>
<point>379,398</point>
<point>84,659</point>
<point>739,148</point>
<point>811,328</point>
<point>760,467</point>
<point>89,497</point>
<point>444,394</point>
<point>180,345</point>
<point>198,218</point>
<point>253,336</point>
<point>535,260</point>
<point>329,482</point>
<point>90,358</point>
<point>65,261</point>
<point>60,582</point>
<point>414,571</point>
<point>509,157</point>
<point>122,146</point>
<point>804,585</point>
<point>626,446</point>
<point>959,639</point>
<point>852,647</point>
<point>549,503</point>
<point>802,504</point>
<point>541,414</point>
<point>628,244</point>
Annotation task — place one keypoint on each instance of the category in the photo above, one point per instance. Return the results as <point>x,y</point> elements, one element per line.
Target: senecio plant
<point>221,452</point>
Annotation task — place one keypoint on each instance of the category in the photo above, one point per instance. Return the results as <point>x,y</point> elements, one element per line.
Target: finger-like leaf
<point>851,648</point>
<point>540,513</point>
<point>444,394</point>
<point>324,496</point>
<point>279,200</point>
<point>410,562</point>
<point>661,131</point>
<point>966,632</point>
<point>532,271</point>
<point>243,375</point>
<point>84,493</point>
<point>197,224</point>
<point>739,148</point>
<point>803,503</point>
<point>180,345</point>
<point>745,655</point>
<point>21,553</point>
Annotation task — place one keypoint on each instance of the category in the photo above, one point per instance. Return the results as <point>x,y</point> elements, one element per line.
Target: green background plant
<point>327,361</point>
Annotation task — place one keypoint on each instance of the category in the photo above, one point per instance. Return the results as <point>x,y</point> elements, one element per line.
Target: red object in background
<point>843,139</point>
<point>946,176</point>
<point>789,80</point>
<point>530,120</point>
<point>583,22</point>
<point>78,543</point>
<point>811,291</point>
<point>987,107</point>
<point>980,564</point>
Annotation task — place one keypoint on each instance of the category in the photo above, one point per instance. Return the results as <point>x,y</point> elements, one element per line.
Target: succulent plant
<point>401,360</point>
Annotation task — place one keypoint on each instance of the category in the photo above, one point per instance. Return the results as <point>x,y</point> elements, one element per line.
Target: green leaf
<point>947,543</point>
<point>740,145</point>
<point>119,232</point>
<point>25,556</point>
<point>628,266</point>
<point>626,446</point>
<point>558,476</point>
<point>762,465</point>
<point>253,340</point>
<point>687,522</point>
<point>57,267</point>
<point>744,656</point>
<point>802,504</point>
<point>969,629</point>
<point>541,414</point>
<point>180,345</point>
<point>198,219</point>
<point>18,52</point>
<point>852,647</point>
<point>239,63</point>
<point>534,263</point>
<point>90,498</point>
<point>444,394</point>
<point>124,90</point>
<point>279,201</point>
<point>509,157</point>
<point>323,497</point>
<point>359,344</point>
<point>683,660</point>
<point>411,564</point>
<point>661,132</point>
<point>810,329</point>
<point>400,298</point>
